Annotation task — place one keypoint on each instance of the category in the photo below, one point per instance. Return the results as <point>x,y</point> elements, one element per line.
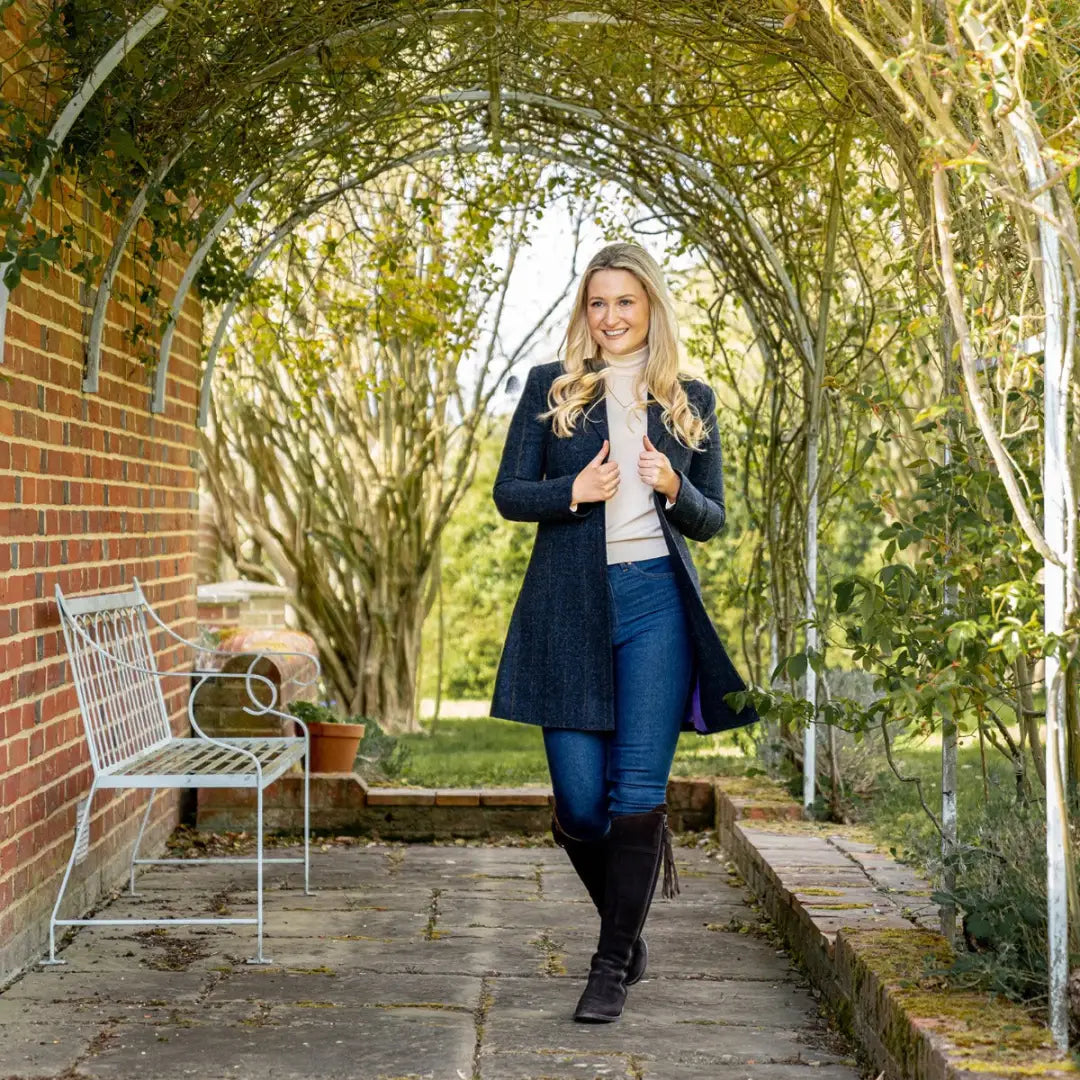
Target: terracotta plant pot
<point>334,746</point>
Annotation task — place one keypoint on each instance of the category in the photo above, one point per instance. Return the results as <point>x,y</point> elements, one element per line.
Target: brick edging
<point>867,963</point>
<point>343,803</point>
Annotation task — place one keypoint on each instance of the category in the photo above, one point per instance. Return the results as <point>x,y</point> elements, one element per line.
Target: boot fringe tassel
<point>671,875</point>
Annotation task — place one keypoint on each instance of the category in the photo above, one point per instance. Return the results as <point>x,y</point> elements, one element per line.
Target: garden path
<point>417,961</point>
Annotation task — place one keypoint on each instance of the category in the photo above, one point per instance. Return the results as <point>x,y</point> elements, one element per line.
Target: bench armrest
<point>249,677</point>
<point>194,645</point>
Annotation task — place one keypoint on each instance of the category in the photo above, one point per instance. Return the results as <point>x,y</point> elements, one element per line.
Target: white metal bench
<point>132,745</point>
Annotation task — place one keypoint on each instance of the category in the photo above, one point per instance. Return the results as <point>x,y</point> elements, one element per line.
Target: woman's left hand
<point>655,470</point>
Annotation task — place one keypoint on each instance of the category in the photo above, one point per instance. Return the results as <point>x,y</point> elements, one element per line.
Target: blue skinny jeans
<point>598,774</point>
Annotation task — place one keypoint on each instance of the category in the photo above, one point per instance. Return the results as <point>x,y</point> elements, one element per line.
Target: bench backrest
<point>123,709</point>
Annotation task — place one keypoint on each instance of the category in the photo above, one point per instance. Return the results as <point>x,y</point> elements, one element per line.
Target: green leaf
<point>960,633</point>
<point>908,536</point>
<point>845,593</point>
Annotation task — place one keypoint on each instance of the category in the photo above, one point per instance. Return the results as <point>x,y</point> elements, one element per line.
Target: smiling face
<point>617,309</point>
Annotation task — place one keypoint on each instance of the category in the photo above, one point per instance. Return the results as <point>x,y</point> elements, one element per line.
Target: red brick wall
<point>94,490</point>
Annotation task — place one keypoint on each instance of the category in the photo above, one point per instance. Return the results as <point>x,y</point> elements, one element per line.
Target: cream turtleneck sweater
<point>631,521</point>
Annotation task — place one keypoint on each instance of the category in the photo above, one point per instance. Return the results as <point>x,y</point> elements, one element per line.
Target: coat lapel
<point>658,434</point>
<point>596,423</point>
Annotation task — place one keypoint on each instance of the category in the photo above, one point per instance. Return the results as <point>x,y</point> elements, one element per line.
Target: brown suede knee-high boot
<point>589,860</point>
<point>638,846</point>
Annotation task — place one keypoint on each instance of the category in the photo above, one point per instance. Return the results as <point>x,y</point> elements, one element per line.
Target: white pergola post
<point>810,609</point>
<point>814,382</point>
<point>949,750</point>
<point>1055,476</point>
<point>949,741</point>
<point>1055,466</point>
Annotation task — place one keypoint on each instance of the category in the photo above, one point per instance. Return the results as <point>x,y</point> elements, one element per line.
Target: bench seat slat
<point>173,757</point>
<point>158,757</point>
<point>212,759</point>
<point>194,762</point>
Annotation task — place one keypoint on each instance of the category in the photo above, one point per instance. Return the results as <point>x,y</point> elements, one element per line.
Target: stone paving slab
<point>66,985</point>
<point>467,913</point>
<point>568,1065</point>
<point>376,1043</point>
<point>470,953</point>
<point>273,985</point>
<point>694,1028</point>
<point>429,962</point>
<point>559,1064</point>
<point>38,1050</point>
<point>577,912</point>
<point>345,925</point>
<point>676,955</point>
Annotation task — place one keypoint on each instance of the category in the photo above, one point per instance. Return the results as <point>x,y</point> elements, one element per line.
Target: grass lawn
<point>486,752</point>
<point>892,811</point>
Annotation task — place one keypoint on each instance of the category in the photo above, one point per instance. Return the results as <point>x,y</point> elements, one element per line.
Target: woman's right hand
<point>598,481</point>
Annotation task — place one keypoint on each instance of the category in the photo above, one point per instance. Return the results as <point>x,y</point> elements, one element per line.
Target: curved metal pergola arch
<point>284,230</point>
<point>726,197</point>
<point>133,36</point>
<point>195,263</point>
<point>473,96</point>
<point>199,257</point>
<point>578,161</point>
<point>92,364</point>
<point>66,120</point>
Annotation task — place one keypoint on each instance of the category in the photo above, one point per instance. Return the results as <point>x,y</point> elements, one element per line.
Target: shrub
<point>1001,895</point>
<point>311,713</point>
<point>381,756</point>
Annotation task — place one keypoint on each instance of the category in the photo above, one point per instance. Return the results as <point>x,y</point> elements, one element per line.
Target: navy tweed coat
<point>556,667</point>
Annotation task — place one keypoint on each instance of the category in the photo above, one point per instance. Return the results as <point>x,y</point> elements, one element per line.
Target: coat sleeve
<point>521,492</point>
<point>698,512</point>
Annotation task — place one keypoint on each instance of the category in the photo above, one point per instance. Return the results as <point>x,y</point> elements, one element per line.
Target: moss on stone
<point>757,788</point>
<point>986,1032</point>
<point>1019,1071</point>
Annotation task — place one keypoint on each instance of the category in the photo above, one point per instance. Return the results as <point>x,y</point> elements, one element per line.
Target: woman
<point>609,648</point>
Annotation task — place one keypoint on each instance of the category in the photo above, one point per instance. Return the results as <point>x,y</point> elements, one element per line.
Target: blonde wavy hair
<point>582,380</point>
